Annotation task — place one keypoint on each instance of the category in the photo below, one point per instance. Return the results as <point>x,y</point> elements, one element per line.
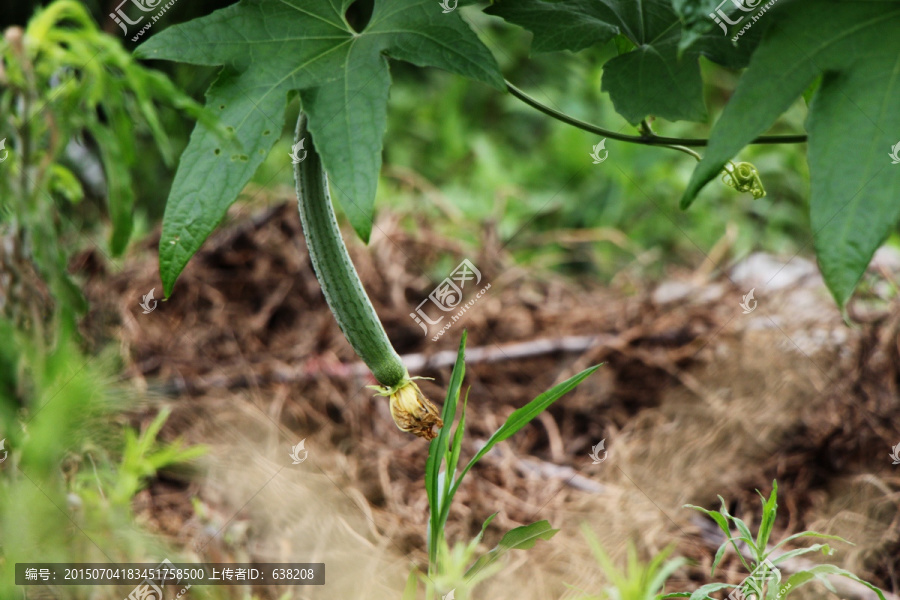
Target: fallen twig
<point>545,470</point>
<point>316,367</point>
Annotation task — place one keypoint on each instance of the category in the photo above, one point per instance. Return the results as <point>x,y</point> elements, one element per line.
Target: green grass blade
<point>616,577</point>
<point>456,447</point>
<point>814,534</point>
<point>825,548</point>
<point>148,438</point>
<point>438,499</point>
<point>820,571</point>
<point>658,581</point>
<point>745,534</point>
<point>473,545</point>
<point>770,509</point>
<point>719,554</point>
<point>438,446</point>
<point>448,414</point>
<point>702,592</point>
<point>412,586</point>
<point>720,519</point>
<point>522,416</point>
<point>520,538</point>
<point>484,527</point>
<point>432,468</point>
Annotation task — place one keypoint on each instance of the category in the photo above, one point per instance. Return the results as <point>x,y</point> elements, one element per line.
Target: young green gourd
<point>347,298</point>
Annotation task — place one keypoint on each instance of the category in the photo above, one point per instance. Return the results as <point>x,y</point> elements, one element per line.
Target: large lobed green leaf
<point>699,28</point>
<point>656,77</point>
<point>854,120</point>
<point>268,48</point>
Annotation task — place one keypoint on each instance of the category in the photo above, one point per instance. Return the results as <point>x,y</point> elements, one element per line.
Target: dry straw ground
<point>696,399</point>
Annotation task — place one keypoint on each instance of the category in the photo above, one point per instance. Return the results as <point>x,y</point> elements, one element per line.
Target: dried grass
<point>696,400</point>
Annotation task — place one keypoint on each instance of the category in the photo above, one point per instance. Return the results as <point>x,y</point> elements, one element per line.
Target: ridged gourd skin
<point>337,276</point>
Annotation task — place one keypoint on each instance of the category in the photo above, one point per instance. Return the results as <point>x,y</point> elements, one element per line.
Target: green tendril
<point>744,177</point>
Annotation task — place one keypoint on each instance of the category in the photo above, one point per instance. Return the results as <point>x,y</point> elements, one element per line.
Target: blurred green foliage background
<point>483,156</point>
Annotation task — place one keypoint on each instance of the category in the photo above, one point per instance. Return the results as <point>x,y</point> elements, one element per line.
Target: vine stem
<point>647,140</point>
<point>647,131</point>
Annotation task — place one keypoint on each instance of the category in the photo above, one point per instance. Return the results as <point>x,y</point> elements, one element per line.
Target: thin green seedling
<point>765,580</point>
<point>638,580</point>
<point>443,478</point>
<point>143,456</point>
